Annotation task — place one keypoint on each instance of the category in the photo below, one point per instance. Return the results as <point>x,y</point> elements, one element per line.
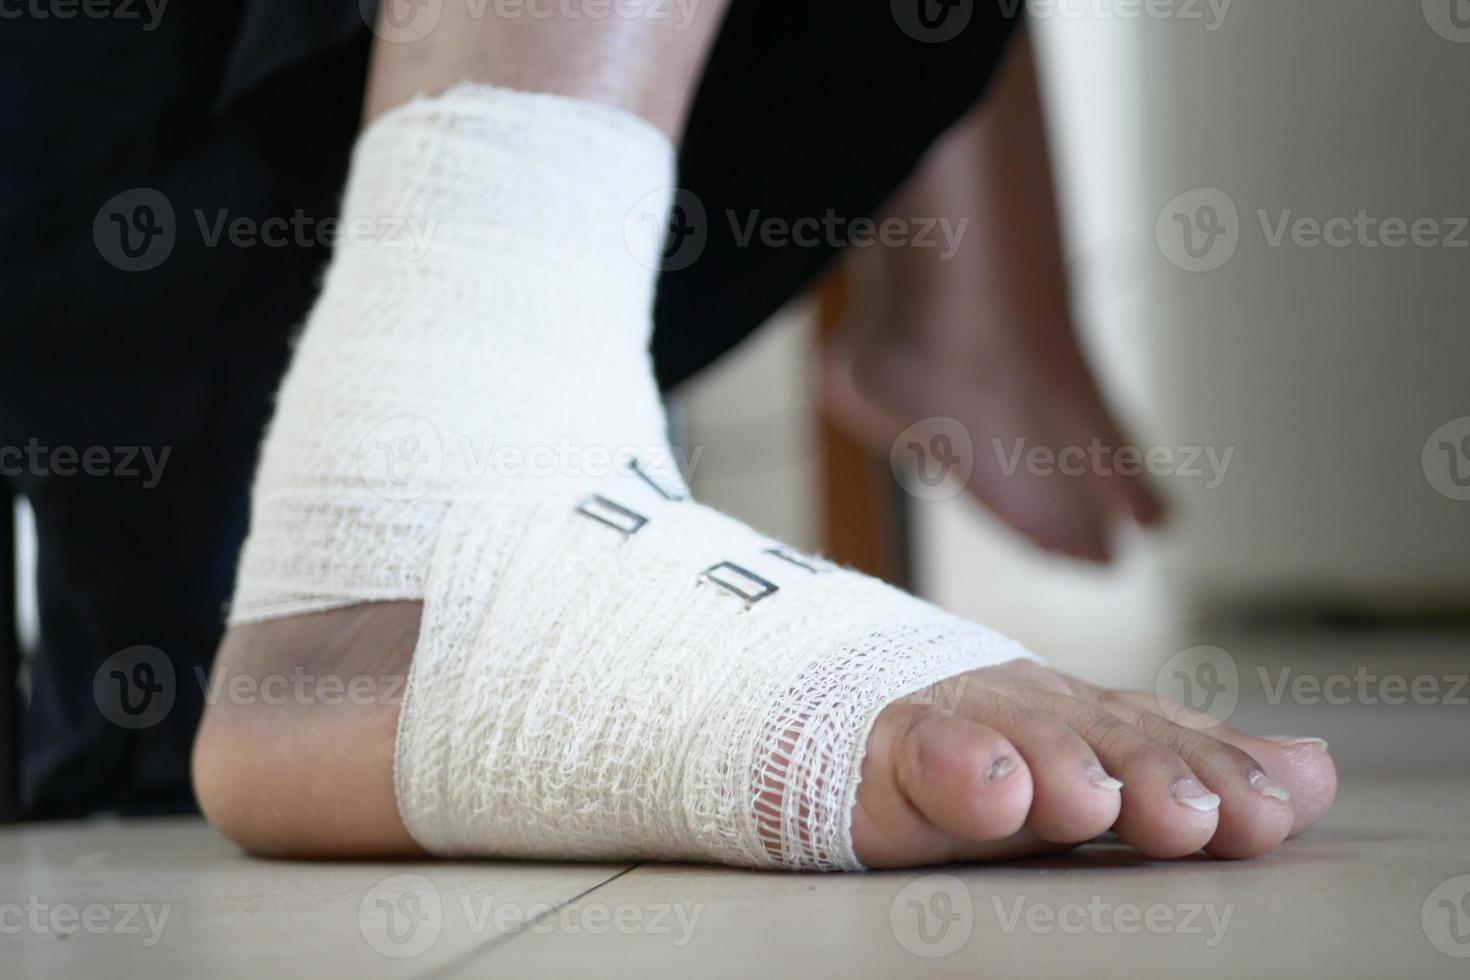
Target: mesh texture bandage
<point>483,329</point>
<point>605,669</point>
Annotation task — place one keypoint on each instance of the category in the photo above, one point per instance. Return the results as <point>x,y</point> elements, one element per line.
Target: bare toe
<point>1255,810</point>
<point>935,783</point>
<point>1074,798</point>
<point>1301,765</point>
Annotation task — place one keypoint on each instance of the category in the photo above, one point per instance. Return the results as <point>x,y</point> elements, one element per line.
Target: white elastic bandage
<point>605,668</point>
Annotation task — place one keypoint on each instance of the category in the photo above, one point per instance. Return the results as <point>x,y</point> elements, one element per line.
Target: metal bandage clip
<point>636,487</point>
<point>798,558</point>
<point>614,515</point>
<point>740,581</point>
<point>637,470</point>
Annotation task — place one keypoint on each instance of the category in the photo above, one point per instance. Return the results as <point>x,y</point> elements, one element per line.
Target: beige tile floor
<point>1382,889</point>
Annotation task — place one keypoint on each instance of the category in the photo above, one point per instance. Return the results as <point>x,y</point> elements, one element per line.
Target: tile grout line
<point>474,953</point>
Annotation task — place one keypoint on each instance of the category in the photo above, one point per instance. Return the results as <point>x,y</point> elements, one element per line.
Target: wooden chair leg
<point>864,512</point>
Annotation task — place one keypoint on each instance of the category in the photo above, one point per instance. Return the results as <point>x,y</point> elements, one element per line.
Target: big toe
<point>934,786</point>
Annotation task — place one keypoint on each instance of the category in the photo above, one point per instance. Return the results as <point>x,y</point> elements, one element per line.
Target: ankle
<point>295,753</point>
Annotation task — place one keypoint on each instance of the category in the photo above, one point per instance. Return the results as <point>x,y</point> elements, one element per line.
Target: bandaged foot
<point>605,669</point>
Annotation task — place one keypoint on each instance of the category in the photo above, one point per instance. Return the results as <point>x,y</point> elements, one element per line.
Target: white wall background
<point>1326,368</point>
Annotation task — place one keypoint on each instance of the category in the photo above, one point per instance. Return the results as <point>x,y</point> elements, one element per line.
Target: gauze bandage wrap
<point>482,334</point>
<point>605,669</point>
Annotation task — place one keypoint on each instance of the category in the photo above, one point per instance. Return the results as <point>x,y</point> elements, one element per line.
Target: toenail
<point>1293,741</point>
<point>1268,787</point>
<point>1196,797</point>
<point>1000,769</point>
<point>1102,780</point>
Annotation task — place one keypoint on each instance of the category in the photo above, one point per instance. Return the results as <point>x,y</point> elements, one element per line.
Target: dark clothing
<point>248,108</point>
